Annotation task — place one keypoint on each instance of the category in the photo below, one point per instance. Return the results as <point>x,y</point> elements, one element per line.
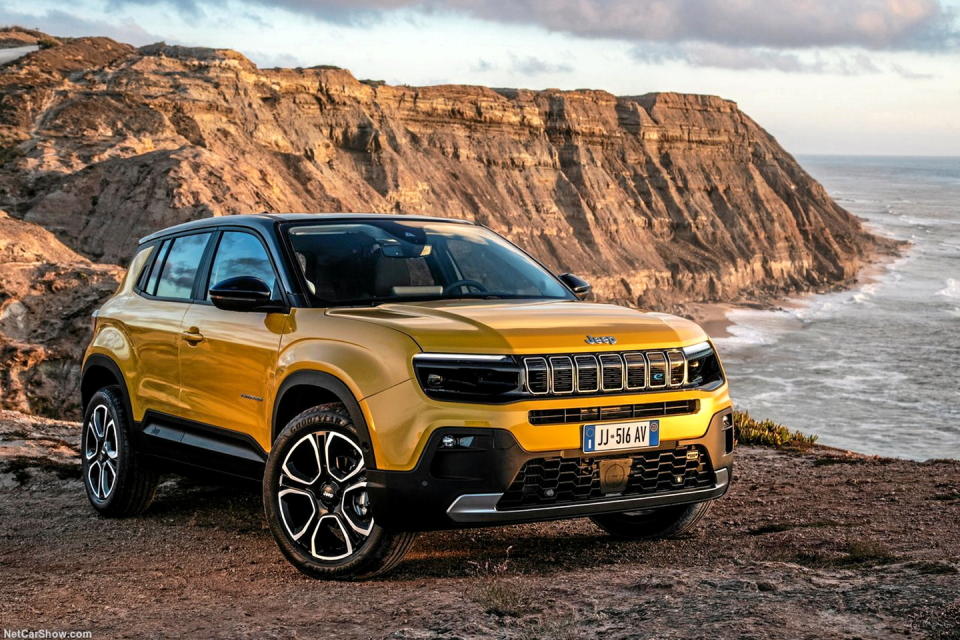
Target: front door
<point>228,359</point>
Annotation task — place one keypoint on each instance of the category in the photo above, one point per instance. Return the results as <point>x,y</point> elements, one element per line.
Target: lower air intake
<point>556,480</point>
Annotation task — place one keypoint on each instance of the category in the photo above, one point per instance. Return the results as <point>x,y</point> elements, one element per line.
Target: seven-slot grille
<point>547,481</point>
<point>607,372</point>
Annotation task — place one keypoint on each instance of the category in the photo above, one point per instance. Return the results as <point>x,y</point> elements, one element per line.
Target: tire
<point>665,522</point>
<point>316,504</point>
<point>117,483</point>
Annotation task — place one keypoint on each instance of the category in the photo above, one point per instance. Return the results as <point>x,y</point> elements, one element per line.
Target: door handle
<point>192,335</point>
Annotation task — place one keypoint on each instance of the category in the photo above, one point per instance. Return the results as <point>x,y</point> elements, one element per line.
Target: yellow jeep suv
<point>382,375</point>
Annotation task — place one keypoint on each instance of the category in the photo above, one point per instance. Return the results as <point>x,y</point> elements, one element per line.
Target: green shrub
<point>767,433</point>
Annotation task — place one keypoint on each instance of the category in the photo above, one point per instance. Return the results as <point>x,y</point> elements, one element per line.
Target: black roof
<point>266,221</point>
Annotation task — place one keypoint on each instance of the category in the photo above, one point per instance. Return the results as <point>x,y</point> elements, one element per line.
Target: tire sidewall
<point>312,421</point>
<point>660,523</point>
<point>110,398</point>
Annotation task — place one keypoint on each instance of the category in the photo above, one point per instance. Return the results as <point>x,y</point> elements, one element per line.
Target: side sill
<point>201,446</point>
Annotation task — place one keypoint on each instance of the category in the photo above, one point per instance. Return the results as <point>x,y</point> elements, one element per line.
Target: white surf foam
<point>952,290</point>
<point>751,327</point>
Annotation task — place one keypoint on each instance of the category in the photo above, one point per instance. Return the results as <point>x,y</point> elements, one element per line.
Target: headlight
<point>703,366</point>
<point>471,377</point>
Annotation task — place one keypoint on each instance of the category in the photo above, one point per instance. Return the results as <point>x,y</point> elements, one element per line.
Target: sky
<point>869,77</point>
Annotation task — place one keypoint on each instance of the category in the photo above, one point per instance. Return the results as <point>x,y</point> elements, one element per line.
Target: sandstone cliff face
<point>657,199</point>
<point>47,293</point>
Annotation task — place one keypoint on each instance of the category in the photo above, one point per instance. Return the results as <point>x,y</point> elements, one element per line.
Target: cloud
<point>524,65</point>
<point>482,66</point>
<point>871,24</point>
<point>792,36</point>
<point>724,57</point>
<point>756,58</point>
<point>910,74</point>
<point>268,60</point>
<point>534,66</point>
<point>188,8</point>
<point>60,23</point>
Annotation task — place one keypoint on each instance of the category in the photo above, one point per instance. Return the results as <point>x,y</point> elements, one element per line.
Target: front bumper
<point>481,508</point>
<point>451,488</point>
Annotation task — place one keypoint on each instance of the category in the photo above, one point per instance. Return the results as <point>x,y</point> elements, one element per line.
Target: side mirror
<point>579,286</point>
<point>242,293</point>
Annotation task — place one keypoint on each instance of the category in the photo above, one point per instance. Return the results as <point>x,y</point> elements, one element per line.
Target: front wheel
<point>651,524</point>
<point>316,502</point>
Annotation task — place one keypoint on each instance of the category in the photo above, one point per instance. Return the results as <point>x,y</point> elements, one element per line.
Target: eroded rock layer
<point>47,295</point>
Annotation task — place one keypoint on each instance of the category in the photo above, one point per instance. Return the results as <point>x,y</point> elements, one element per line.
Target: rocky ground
<point>822,544</point>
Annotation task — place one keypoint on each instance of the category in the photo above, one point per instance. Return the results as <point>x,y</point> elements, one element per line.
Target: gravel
<point>821,544</point>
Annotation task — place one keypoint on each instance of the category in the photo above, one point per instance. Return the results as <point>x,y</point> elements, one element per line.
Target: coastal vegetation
<point>767,433</point>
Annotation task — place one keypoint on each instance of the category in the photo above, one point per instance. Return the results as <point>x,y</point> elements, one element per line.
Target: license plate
<point>621,435</point>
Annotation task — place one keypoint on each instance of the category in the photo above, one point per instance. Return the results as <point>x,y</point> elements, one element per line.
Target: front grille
<point>616,412</point>
<point>562,369</point>
<point>607,372</point>
<point>556,480</point>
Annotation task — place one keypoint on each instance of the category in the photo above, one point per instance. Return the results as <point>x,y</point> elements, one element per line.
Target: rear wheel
<point>665,522</point>
<point>118,484</point>
<point>316,502</point>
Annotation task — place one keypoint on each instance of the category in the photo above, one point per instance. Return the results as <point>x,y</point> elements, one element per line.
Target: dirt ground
<point>815,545</point>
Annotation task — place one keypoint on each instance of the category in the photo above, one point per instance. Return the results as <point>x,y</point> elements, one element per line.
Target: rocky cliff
<point>658,199</point>
<point>47,293</point>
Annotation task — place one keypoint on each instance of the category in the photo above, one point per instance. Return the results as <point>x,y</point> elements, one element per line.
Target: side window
<point>140,265</point>
<point>241,254</point>
<point>180,267</point>
<point>150,284</point>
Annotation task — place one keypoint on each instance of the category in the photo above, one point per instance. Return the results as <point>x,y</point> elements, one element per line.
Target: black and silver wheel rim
<point>101,452</point>
<point>322,500</point>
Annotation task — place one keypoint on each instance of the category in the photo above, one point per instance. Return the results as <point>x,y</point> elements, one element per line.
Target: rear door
<point>153,323</point>
<point>228,358</point>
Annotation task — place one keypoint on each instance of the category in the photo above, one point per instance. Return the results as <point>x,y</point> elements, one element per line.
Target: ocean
<point>875,369</point>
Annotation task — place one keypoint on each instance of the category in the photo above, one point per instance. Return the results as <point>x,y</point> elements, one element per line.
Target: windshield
<point>373,261</point>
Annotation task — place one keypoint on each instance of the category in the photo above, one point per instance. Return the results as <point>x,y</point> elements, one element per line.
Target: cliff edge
<point>658,199</point>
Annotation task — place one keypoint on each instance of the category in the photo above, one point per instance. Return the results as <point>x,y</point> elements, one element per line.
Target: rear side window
<point>242,254</point>
<point>140,266</point>
<point>149,283</point>
<point>179,269</point>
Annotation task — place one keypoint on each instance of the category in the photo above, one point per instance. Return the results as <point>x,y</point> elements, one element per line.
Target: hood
<point>458,326</point>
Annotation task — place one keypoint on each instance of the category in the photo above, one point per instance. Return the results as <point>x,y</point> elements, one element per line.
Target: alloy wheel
<point>323,499</point>
<point>101,452</point>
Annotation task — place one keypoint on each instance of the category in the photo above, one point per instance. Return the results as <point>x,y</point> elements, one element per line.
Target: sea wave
<point>952,290</point>
<point>756,327</point>
<point>865,293</point>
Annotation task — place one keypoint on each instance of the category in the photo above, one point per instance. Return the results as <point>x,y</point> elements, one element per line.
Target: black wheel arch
<point>290,401</point>
<point>101,371</point>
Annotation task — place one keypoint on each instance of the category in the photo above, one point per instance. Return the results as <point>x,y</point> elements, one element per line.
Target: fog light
<point>457,442</point>
<point>549,493</point>
<point>434,380</point>
<point>678,479</point>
